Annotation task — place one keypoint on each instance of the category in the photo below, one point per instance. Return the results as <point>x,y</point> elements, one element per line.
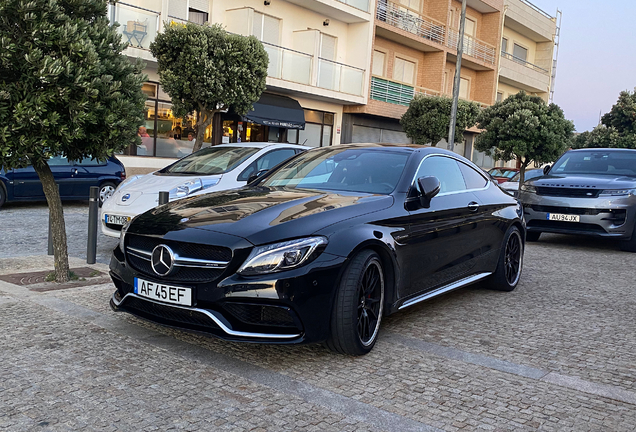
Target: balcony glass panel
<point>358,4</point>
<point>339,77</point>
<point>288,64</point>
<point>137,26</point>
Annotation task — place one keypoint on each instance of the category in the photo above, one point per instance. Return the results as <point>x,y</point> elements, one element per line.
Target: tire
<point>626,245</point>
<point>3,195</point>
<point>533,236</point>
<point>356,317</point>
<point>106,190</point>
<point>510,262</point>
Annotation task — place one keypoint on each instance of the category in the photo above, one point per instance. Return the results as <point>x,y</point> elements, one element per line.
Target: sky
<point>597,56</point>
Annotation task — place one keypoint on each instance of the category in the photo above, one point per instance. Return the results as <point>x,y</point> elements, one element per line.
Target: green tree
<point>65,89</point>
<point>524,128</point>
<point>427,119</point>
<point>205,70</point>
<point>622,116</point>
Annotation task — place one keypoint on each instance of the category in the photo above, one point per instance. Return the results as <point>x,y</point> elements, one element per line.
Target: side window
<point>447,172</point>
<point>90,162</point>
<point>58,161</point>
<point>473,179</point>
<point>267,161</point>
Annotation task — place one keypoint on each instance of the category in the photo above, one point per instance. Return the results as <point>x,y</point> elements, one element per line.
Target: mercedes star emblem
<point>162,260</point>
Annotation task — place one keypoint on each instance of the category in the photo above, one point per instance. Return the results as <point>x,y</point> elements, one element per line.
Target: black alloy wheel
<point>358,308</point>
<point>512,259</point>
<point>510,263</point>
<point>370,293</point>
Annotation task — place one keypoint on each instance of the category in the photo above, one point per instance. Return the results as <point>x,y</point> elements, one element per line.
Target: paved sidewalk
<point>559,353</point>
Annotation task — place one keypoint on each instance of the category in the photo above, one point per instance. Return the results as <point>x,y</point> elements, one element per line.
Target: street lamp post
<point>456,84</point>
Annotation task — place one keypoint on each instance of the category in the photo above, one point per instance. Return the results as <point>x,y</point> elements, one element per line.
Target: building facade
<point>348,68</point>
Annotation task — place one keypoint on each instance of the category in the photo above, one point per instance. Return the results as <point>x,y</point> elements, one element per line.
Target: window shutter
<point>178,9</point>
<point>520,52</point>
<point>257,26</point>
<point>200,5</point>
<point>398,69</point>
<point>271,29</point>
<point>328,47</point>
<point>378,63</point>
<point>464,88</point>
<point>409,72</point>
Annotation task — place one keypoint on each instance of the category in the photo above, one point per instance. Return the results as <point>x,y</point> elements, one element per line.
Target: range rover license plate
<point>116,220</point>
<point>163,293</point>
<point>563,217</point>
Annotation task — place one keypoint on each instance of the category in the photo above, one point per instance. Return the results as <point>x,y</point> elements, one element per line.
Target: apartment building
<point>414,52</point>
<point>319,51</point>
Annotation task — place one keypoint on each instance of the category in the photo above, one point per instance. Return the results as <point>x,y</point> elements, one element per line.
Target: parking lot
<point>556,354</point>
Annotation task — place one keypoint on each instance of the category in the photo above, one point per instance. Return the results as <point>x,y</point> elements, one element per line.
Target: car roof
<point>262,145</point>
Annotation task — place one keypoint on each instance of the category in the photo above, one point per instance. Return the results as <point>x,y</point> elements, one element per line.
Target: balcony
<point>530,21</point>
<point>340,77</point>
<point>363,5</point>
<point>523,74</point>
<point>347,11</point>
<point>434,31</point>
<point>407,20</point>
<point>384,90</point>
<point>289,65</point>
<point>137,26</point>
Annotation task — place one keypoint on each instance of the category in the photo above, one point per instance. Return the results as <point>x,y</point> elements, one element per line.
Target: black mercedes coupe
<point>322,247</point>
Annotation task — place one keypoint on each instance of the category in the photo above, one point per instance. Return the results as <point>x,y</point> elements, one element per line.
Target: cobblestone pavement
<point>24,230</point>
<point>556,354</point>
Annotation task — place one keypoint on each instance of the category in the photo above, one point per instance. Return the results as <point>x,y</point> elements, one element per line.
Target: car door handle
<point>75,171</point>
<point>473,206</point>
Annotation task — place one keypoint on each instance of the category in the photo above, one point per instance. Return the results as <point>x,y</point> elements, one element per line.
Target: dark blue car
<point>74,179</point>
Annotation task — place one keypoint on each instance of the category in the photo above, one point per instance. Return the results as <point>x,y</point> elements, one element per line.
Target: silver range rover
<point>586,192</point>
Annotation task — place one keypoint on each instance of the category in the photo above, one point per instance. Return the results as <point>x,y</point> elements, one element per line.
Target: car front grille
<point>260,314</point>
<point>190,273</point>
<point>114,227</point>
<point>616,216</point>
<point>565,226</point>
<point>568,192</point>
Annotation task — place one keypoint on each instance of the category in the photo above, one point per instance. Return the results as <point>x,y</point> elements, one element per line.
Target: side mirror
<point>253,177</point>
<point>546,169</point>
<point>428,187</point>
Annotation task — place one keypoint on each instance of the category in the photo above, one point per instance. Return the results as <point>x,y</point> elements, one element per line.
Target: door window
<point>378,63</point>
<point>90,162</point>
<point>58,161</point>
<point>472,178</point>
<point>447,172</point>
<point>267,161</point>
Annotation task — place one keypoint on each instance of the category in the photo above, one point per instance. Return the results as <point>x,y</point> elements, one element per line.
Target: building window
<point>318,130</point>
<point>404,71</point>
<point>504,45</point>
<point>464,88</point>
<point>197,16</point>
<point>378,63</point>
<point>520,53</point>
<point>499,96</point>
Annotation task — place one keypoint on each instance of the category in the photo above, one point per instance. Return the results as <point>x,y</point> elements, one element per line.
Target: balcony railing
<point>407,20</point>
<point>525,63</point>
<point>287,64</point>
<point>358,4</point>
<point>340,77</point>
<point>137,26</point>
<point>396,93</point>
<point>472,47</point>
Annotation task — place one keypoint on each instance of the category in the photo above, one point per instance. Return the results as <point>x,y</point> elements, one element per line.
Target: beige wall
<point>514,37</point>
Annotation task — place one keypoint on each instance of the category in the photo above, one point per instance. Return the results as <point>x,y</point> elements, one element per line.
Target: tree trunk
<point>56,214</point>
<point>204,118</point>
<point>522,171</point>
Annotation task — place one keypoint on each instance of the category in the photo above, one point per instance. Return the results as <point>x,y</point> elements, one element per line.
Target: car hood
<point>153,184</point>
<point>593,181</point>
<point>260,215</point>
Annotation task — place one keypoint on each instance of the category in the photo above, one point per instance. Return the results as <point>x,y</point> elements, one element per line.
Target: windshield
<point>212,160</point>
<point>530,174</point>
<point>375,170</point>
<point>622,162</point>
<point>497,172</point>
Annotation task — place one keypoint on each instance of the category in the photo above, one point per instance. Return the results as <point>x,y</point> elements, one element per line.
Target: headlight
<point>281,256</point>
<point>122,234</point>
<point>128,181</point>
<point>185,189</point>
<point>616,192</point>
<point>527,188</point>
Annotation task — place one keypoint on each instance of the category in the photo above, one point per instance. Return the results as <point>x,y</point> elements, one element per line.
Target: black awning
<point>275,110</point>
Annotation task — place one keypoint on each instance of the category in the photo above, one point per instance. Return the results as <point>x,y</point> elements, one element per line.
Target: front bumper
<point>282,308</point>
<point>601,217</point>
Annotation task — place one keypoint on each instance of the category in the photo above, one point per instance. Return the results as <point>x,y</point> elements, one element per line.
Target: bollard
<point>164,197</point>
<point>93,210</point>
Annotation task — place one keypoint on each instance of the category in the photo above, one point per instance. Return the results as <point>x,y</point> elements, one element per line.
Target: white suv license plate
<point>163,293</point>
<point>116,220</point>
<point>563,217</point>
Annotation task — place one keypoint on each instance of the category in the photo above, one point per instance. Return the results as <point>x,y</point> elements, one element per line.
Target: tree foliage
<point>525,128</point>
<point>204,69</point>
<point>427,119</point>
<point>65,89</point>
<point>617,128</point>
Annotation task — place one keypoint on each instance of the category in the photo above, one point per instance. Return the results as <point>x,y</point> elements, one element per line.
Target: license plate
<point>116,220</point>
<point>163,293</point>
<point>563,217</point>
